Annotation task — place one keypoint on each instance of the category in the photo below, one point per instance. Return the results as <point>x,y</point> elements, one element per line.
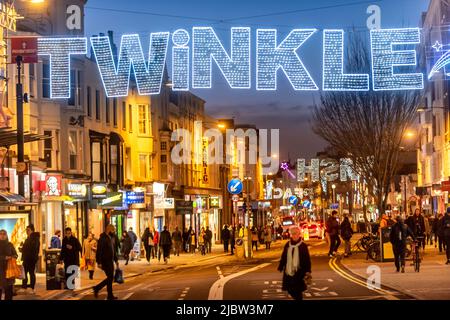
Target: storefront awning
<point>8,197</point>
<point>8,137</point>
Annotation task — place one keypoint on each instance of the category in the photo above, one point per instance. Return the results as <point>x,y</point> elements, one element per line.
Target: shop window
<point>114,163</point>
<point>164,146</point>
<point>73,150</point>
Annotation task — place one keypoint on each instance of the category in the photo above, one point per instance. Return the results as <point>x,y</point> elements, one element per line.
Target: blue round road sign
<point>293,200</point>
<point>235,186</point>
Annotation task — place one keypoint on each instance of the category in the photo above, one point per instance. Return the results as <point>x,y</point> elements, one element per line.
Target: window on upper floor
<point>97,105</point>
<point>144,119</point>
<point>46,80</point>
<point>73,150</point>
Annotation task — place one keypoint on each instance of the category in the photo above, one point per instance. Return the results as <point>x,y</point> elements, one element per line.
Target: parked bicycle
<point>374,251</point>
<point>416,253</point>
<point>363,244</point>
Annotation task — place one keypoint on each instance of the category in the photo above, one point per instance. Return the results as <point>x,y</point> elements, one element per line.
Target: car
<point>315,230</point>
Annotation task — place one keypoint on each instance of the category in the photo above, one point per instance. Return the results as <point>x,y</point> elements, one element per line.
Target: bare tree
<point>368,126</point>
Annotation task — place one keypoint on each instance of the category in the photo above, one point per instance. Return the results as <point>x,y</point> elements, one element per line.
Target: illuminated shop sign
<point>77,190</point>
<point>194,53</point>
<point>53,185</point>
<point>132,197</point>
<point>113,199</point>
<point>99,191</point>
<point>214,202</point>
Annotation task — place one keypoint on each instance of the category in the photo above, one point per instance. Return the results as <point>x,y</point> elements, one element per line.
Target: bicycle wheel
<point>416,261</point>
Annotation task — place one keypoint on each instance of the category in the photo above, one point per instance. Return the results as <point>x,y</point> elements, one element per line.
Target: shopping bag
<point>82,264</point>
<point>12,269</point>
<point>22,272</point>
<point>118,276</point>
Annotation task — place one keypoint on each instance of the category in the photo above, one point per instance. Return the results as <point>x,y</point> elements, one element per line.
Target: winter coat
<point>416,224</point>
<point>165,239</point>
<point>146,236</point>
<point>193,239</point>
<point>255,235</point>
<point>106,252</point>
<point>346,230</point>
<point>446,226</point>
<point>295,283</point>
<point>268,235</point>
<point>133,237</point>
<point>208,235</point>
<point>176,236</point>
<point>399,233</point>
<point>6,250</point>
<point>156,238</point>
<point>89,249</point>
<point>30,248</point>
<point>201,239</point>
<point>55,243</point>
<point>332,226</point>
<point>427,226</point>
<point>225,234</point>
<point>127,245</point>
<point>71,257</point>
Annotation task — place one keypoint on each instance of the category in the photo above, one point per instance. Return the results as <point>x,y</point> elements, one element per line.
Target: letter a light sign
<point>393,56</point>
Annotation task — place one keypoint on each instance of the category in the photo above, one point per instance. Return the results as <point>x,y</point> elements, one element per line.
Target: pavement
<point>431,283</point>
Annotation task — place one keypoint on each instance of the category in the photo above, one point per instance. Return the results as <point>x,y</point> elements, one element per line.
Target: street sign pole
<point>20,137</point>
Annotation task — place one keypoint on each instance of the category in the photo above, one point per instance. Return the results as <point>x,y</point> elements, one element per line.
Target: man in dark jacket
<point>225,238</point>
<point>446,233</point>
<point>70,254</point>
<point>399,232</point>
<point>208,239</point>
<point>177,239</point>
<point>186,234</point>
<point>30,256</point>
<point>106,257</point>
<point>346,234</point>
<point>165,242</point>
<point>295,263</point>
<point>416,223</point>
<point>440,233</point>
<point>333,231</point>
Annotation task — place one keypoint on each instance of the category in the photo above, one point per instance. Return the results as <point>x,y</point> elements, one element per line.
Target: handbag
<point>13,271</point>
<point>118,276</point>
<point>83,265</point>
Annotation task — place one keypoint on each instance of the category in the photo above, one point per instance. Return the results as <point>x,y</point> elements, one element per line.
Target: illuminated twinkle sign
<point>8,16</point>
<point>194,53</point>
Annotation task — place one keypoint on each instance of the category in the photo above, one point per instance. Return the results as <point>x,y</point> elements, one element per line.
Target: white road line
<point>216,291</point>
<point>128,296</point>
<point>332,293</point>
<point>307,294</point>
<point>219,272</point>
<point>52,295</point>
<point>135,287</point>
<point>183,295</point>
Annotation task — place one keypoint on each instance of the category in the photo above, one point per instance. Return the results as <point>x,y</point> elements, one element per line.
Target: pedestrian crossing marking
<point>307,294</point>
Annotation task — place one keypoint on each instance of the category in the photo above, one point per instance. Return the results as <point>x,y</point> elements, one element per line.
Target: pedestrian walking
<point>346,234</point>
<point>89,253</point>
<point>192,241</point>
<point>232,239</point>
<point>127,246</point>
<point>333,231</point>
<point>427,233</point>
<point>147,240</point>
<point>435,230</point>
<point>399,233</point>
<point>225,238</point>
<point>134,239</point>
<point>295,263</point>
<point>186,234</point>
<point>268,237</point>
<point>416,223</point>
<point>440,233</point>
<point>30,256</point>
<point>106,258</point>
<point>55,242</point>
<point>70,255</point>
<point>446,232</point>
<point>208,239</point>
<point>201,241</point>
<point>255,238</point>
<point>177,239</point>
<point>156,247</point>
<point>7,252</point>
<point>165,243</point>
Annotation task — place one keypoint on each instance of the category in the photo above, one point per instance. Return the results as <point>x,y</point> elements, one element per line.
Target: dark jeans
<point>295,294</point>
<point>166,251</point>
<point>335,242</point>
<point>225,245</point>
<point>399,255</point>
<point>8,292</point>
<point>208,246</point>
<point>267,245</point>
<point>177,248</point>
<point>255,243</point>
<point>108,282</point>
<point>29,268</point>
<point>447,243</point>
<point>442,245</point>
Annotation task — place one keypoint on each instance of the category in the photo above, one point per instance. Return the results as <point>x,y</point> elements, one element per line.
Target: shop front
<point>115,211</point>
<point>76,209</point>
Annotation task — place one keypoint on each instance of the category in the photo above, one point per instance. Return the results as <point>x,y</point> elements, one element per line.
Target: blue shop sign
<point>132,197</point>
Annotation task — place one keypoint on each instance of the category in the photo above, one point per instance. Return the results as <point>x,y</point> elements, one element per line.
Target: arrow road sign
<point>293,200</point>
<point>235,186</point>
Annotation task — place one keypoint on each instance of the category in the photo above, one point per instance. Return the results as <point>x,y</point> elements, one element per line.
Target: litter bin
<point>53,282</point>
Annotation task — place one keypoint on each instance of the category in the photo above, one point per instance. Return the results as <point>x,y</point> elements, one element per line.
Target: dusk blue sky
<point>285,109</point>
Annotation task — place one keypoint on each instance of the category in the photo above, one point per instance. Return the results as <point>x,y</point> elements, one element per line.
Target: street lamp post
<point>20,135</point>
